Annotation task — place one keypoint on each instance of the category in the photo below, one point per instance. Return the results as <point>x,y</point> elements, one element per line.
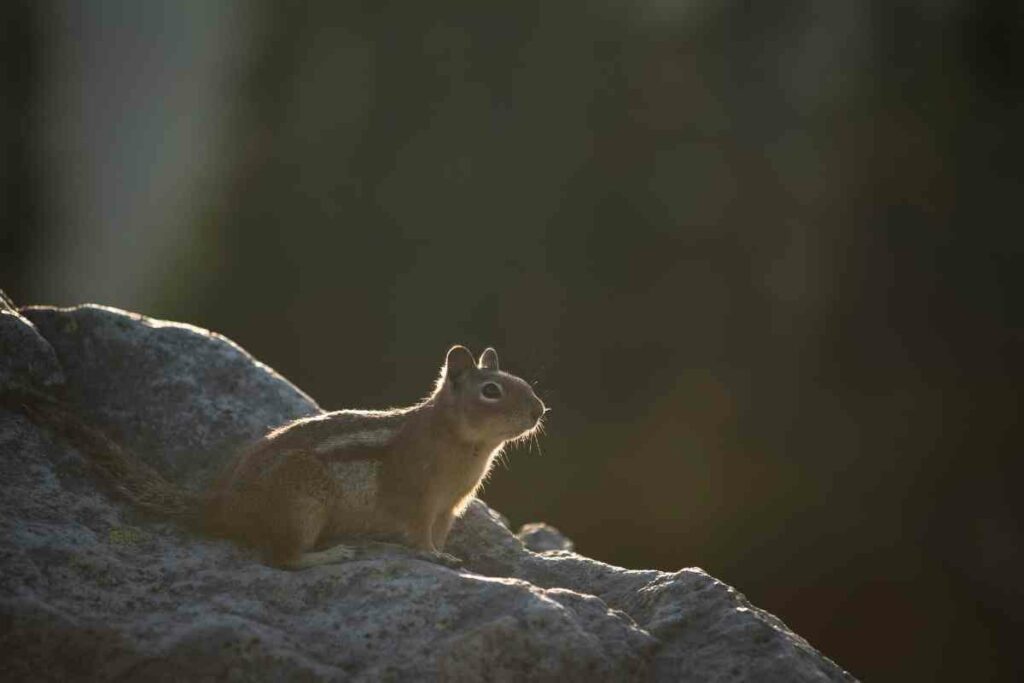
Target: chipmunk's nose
<point>537,411</point>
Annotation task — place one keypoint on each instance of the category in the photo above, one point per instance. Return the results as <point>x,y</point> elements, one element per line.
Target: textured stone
<point>182,398</point>
<point>89,588</point>
<point>27,361</point>
<point>538,537</point>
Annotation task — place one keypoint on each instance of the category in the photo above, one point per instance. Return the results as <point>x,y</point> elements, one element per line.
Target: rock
<point>539,537</point>
<point>27,361</point>
<point>89,588</point>
<point>182,398</point>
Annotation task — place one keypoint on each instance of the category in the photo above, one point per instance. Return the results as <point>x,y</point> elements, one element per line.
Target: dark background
<point>762,258</point>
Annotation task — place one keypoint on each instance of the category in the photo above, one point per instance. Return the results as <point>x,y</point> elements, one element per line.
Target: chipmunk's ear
<point>489,359</point>
<point>458,361</point>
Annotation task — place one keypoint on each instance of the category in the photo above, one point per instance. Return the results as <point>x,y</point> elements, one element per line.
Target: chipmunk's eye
<point>491,391</point>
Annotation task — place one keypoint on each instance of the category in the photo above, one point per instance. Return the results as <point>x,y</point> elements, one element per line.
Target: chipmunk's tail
<point>127,475</point>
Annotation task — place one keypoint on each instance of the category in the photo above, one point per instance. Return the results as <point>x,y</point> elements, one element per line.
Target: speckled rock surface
<point>180,397</point>
<point>538,537</point>
<point>90,589</point>
<point>27,360</point>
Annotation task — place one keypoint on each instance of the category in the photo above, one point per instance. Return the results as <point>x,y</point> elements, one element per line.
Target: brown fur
<point>403,475</point>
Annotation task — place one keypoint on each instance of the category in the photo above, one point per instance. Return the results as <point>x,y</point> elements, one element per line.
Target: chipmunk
<point>404,474</point>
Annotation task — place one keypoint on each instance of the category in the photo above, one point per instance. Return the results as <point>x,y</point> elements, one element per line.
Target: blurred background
<point>761,258</point>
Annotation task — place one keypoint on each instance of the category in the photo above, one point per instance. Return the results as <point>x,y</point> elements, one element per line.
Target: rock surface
<point>91,589</point>
<point>27,361</point>
<point>538,537</point>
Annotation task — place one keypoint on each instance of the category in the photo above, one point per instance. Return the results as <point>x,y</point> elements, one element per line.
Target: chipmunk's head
<point>486,404</point>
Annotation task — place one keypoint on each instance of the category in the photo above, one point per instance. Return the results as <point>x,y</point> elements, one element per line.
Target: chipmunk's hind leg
<point>292,530</point>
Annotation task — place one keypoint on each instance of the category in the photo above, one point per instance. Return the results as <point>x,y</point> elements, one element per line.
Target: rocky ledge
<point>90,588</point>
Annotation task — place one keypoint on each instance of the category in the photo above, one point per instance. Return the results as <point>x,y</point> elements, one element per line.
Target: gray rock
<point>27,361</point>
<point>539,537</point>
<point>182,398</point>
<point>91,589</point>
